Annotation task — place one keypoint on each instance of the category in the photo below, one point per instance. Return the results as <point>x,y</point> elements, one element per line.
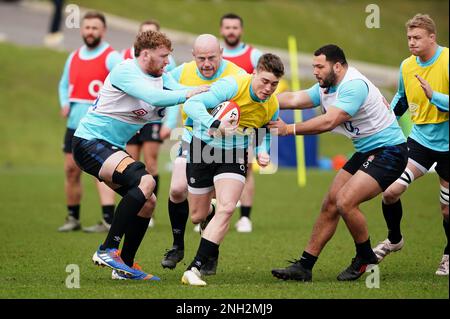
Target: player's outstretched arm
<point>295,100</point>
<point>126,79</point>
<point>319,124</point>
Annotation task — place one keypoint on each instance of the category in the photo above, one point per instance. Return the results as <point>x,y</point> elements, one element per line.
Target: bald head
<point>207,54</point>
<point>206,42</point>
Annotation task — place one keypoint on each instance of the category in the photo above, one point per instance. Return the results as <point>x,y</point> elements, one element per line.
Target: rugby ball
<point>227,111</point>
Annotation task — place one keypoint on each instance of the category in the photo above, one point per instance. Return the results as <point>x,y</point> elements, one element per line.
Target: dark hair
<point>333,53</point>
<point>271,63</point>
<point>151,22</point>
<point>231,16</point>
<point>150,40</point>
<point>95,15</point>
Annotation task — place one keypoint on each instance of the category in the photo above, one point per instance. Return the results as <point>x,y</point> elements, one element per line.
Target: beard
<point>92,44</point>
<point>232,42</point>
<point>153,70</point>
<point>329,81</point>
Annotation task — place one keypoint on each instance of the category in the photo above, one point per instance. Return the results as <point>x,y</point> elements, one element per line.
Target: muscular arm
<point>351,96</point>
<point>304,99</point>
<point>322,123</point>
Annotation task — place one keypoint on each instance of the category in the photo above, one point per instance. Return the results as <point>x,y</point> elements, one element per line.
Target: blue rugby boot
<point>110,257</point>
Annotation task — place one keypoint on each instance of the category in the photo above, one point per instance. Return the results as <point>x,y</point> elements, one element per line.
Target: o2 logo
<point>349,127</point>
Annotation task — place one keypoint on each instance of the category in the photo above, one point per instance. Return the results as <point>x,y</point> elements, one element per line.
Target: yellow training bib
<point>436,74</point>
<point>253,114</point>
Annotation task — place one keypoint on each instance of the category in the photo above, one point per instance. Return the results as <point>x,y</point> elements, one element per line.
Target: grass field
<point>34,255</point>
<point>312,22</point>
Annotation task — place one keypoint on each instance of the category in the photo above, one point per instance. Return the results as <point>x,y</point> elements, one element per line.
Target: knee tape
<point>406,178</point>
<point>444,195</point>
<point>131,176</point>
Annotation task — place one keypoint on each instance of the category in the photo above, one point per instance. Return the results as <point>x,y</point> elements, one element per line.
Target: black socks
<point>133,237</point>
<point>393,215</point>
<point>74,211</point>
<point>364,250</point>
<point>178,214</point>
<point>307,260</point>
<point>245,211</point>
<point>207,249</point>
<point>127,209</point>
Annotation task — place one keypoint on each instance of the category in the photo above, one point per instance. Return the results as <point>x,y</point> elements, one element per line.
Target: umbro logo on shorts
<point>192,180</point>
<point>140,112</point>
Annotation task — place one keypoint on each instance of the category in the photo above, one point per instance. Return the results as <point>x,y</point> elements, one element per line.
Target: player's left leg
<point>375,175</point>
<point>392,210</point>
<point>128,178</point>
<point>360,188</point>
<point>199,203</point>
<point>420,160</point>
<point>133,212</point>
<point>228,192</point>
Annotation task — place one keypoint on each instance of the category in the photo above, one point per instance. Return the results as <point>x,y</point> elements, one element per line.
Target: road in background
<point>27,22</point>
